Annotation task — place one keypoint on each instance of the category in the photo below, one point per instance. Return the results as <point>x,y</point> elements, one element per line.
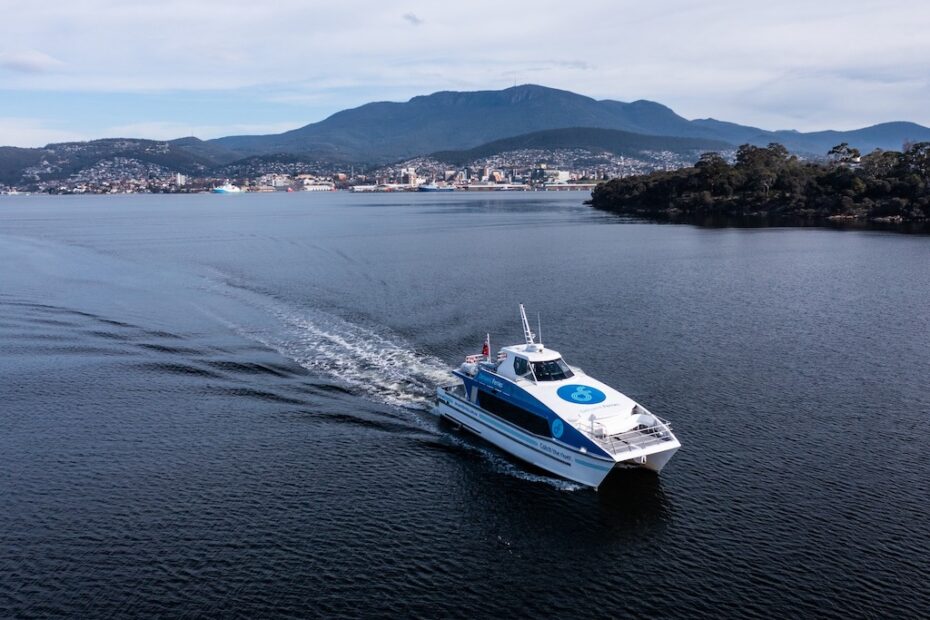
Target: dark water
<point>219,405</point>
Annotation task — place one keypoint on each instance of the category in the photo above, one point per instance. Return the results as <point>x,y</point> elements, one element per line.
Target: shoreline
<point>763,220</point>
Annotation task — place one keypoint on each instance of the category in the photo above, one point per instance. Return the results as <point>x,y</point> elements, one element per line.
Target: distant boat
<point>227,188</point>
<point>432,187</point>
<point>319,187</point>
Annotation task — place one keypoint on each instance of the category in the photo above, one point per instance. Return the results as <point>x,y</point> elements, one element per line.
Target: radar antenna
<point>527,332</point>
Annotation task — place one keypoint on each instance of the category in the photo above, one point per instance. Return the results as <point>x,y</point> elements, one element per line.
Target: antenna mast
<point>528,334</point>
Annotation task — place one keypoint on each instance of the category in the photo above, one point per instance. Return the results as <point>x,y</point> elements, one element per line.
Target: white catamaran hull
<point>552,456</point>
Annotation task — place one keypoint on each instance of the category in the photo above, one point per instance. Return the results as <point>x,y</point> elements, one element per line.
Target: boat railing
<point>481,357</point>
<point>454,388</point>
<point>633,439</point>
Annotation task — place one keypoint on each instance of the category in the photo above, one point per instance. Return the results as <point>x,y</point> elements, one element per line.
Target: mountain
<point>445,121</point>
<point>885,136</point>
<point>14,160</point>
<point>59,161</point>
<point>592,138</point>
<point>387,131</point>
<point>206,151</point>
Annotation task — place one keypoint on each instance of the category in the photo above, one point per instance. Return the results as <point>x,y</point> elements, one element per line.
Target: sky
<point>85,69</point>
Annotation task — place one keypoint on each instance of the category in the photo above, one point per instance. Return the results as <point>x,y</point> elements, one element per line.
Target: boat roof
<point>612,408</point>
<point>533,352</point>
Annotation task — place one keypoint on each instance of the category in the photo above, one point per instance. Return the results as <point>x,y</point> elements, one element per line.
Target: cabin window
<point>521,366</point>
<point>554,370</point>
<point>517,416</point>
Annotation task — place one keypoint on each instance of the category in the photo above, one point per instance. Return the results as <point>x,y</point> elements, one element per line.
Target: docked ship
<point>432,187</point>
<point>528,402</point>
<point>319,187</point>
<point>227,188</point>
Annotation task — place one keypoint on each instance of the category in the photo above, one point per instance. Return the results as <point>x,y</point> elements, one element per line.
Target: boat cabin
<point>532,362</point>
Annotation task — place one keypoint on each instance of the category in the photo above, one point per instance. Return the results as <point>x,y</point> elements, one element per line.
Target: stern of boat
<point>649,447</point>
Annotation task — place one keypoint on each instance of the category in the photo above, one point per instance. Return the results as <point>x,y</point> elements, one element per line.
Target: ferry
<point>319,187</point>
<point>528,402</point>
<point>227,188</point>
<point>432,187</point>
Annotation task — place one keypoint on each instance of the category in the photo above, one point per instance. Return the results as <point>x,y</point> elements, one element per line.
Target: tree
<point>917,160</point>
<point>777,153</point>
<point>713,169</point>
<point>768,180</point>
<point>880,163</point>
<point>749,156</point>
<point>844,154</point>
<point>761,165</point>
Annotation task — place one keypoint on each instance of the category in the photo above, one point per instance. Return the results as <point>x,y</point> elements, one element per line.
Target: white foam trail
<point>385,370</point>
<point>366,361</point>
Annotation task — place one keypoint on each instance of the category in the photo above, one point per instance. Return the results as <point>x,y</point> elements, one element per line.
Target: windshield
<point>556,370</point>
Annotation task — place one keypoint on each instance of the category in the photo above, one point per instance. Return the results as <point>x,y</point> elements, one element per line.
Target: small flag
<point>486,349</point>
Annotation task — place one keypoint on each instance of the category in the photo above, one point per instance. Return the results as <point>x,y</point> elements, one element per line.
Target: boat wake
<point>380,367</point>
<point>365,361</point>
<point>377,366</point>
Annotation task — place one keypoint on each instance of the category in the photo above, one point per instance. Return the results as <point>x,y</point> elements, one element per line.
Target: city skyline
<point>95,69</point>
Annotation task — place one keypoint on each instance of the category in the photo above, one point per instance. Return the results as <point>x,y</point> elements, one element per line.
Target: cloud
<point>29,61</point>
<point>33,132</point>
<point>168,130</point>
<point>412,19</point>
<point>702,59</point>
<point>37,132</point>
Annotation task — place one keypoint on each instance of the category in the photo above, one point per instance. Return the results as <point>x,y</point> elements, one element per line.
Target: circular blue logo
<point>557,428</point>
<point>581,394</point>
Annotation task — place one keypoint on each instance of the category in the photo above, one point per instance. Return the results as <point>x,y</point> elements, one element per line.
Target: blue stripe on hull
<point>551,456</point>
<point>503,427</point>
<point>516,395</point>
